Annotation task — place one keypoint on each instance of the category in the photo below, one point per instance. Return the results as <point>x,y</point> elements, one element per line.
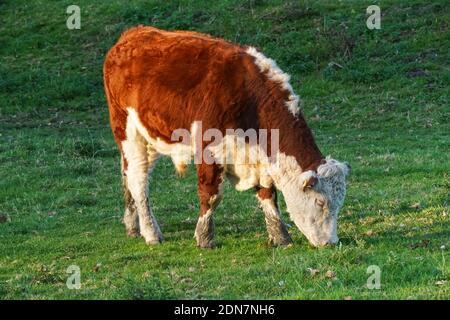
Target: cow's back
<point>172,79</point>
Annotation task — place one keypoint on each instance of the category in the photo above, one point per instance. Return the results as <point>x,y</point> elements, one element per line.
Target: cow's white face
<point>315,207</point>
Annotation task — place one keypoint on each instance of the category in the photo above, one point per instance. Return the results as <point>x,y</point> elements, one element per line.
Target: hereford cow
<point>159,82</point>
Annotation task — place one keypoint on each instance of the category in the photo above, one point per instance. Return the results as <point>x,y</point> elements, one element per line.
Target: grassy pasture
<point>378,99</point>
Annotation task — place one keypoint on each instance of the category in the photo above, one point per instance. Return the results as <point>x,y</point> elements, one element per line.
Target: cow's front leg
<point>210,182</point>
<point>278,234</point>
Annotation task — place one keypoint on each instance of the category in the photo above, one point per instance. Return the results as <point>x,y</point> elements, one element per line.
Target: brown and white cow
<point>158,82</point>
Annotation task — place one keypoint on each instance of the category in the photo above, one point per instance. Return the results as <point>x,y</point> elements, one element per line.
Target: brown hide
<point>175,78</point>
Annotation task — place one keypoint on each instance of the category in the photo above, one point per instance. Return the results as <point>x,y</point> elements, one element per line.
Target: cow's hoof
<point>154,239</point>
<point>133,233</point>
<point>153,242</point>
<point>205,241</point>
<point>206,244</point>
<point>280,241</point>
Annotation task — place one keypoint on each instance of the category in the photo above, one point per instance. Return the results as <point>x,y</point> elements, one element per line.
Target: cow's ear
<point>309,183</point>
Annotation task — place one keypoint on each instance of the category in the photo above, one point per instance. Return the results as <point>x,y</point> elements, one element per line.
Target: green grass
<point>386,112</point>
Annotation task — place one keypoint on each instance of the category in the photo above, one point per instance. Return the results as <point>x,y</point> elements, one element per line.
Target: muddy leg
<point>278,234</point>
<point>210,180</point>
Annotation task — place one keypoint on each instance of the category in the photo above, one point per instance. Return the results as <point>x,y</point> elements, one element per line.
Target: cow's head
<point>314,200</point>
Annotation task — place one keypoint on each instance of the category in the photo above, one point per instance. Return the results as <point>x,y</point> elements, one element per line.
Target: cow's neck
<point>295,137</point>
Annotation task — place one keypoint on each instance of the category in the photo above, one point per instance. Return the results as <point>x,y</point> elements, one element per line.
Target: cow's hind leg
<point>140,159</point>
<point>131,218</point>
<point>278,234</point>
<point>210,182</point>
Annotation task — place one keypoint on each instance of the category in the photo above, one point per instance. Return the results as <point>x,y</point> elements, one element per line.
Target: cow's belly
<point>242,175</point>
<point>245,177</point>
<point>245,166</point>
